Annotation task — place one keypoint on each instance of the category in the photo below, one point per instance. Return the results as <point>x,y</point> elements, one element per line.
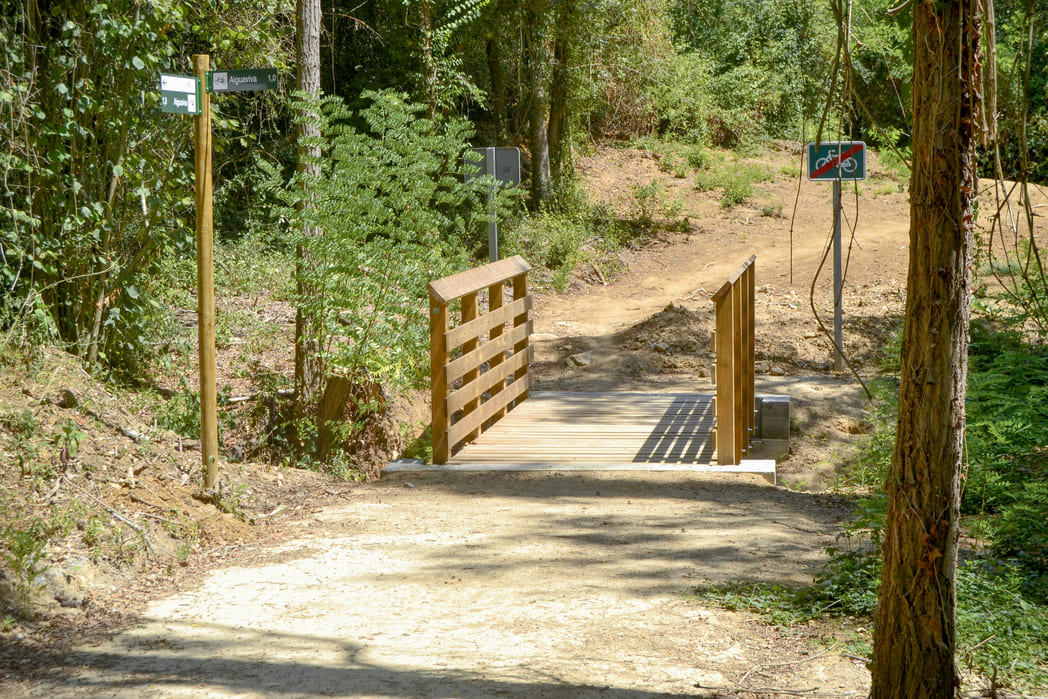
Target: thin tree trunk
<point>915,625</point>
<point>538,107</point>
<point>308,365</point>
<point>429,64</point>
<point>558,109</point>
<point>498,90</point>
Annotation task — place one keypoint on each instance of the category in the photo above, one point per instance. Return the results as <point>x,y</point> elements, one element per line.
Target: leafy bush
<point>394,212</point>
<point>998,628</point>
<point>24,552</point>
<point>1022,537</point>
<point>98,185</point>
<point>735,179</point>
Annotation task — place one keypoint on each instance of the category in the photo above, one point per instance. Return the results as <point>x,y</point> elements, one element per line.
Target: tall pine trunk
<point>915,625</point>
<point>538,102</point>
<point>559,117</point>
<point>308,364</point>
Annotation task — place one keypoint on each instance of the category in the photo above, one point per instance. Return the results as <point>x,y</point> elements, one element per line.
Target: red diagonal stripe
<point>837,161</point>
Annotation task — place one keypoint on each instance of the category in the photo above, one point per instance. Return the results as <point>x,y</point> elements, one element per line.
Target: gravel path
<point>483,585</point>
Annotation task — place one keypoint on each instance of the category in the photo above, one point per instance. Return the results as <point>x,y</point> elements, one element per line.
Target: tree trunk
<point>538,107</point>
<point>558,108</point>
<point>498,90</point>
<point>429,65</point>
<point>915,625</point>
<point>308,365</point>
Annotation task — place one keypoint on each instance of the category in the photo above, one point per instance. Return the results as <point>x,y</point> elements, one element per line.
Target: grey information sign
<point>179,94</point>
<point>248,80</point>
<point>504,165</point>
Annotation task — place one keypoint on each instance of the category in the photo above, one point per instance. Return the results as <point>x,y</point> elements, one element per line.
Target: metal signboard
<point>504,165</point>
<point>501,163</point>
<point>179,94</point>
<point>242,80</point>
<point>836,161</point>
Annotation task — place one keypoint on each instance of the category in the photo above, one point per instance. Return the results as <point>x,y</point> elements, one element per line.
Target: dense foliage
<point>97,183</point>
<point>396,211</point>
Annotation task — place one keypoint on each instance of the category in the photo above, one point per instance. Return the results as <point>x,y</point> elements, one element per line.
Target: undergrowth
<point>1002,582</point>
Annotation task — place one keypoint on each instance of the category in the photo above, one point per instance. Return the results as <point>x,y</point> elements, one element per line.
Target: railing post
<point>496,296</point>
<point>438,358</point>
<point>749,402</point>
<point>520,290</point>
<point>725,434</point>
<point>738,361</point>
<point>470,310</point>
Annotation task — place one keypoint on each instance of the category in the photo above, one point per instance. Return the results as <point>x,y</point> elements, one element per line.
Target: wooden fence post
<point>438,357</point>
<point>489,372</point>
<point>734,346</point>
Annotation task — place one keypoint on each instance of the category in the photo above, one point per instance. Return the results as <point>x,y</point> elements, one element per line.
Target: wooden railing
<point>479,366</point>
<point>733,345</point>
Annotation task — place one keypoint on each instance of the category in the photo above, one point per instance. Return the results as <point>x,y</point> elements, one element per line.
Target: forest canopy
<point>97,183</point>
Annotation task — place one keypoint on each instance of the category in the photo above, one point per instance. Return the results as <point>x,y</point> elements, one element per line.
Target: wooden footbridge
<point>485,416</point>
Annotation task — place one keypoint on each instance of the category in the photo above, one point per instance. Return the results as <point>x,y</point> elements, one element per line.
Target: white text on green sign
<point>242,80</point>
<point>837,160</point>
<point>179,94</point>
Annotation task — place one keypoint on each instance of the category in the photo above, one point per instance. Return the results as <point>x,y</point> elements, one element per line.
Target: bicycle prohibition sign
<point>837,160</point>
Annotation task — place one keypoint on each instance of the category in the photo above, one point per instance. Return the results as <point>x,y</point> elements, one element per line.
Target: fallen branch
<point>122,518</point>
<point>282,393</point>
<point>759,690</point>
<point>761,668</point>
<point>143,501</point>
<point>161,519</point>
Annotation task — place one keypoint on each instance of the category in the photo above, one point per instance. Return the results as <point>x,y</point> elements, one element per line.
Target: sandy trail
<point>481,585</point>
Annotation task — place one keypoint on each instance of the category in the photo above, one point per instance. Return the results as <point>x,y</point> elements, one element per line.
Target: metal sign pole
<point>838,323</point>
<point>493,225</point>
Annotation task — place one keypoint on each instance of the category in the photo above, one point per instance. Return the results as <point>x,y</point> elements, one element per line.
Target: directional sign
<point>179,94</point>
<point>242,80</point>
<point>837,160</point>
<point>502,163</point>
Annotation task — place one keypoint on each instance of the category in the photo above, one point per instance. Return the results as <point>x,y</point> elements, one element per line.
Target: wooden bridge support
<point>734,347</point>
<point>479,364</point>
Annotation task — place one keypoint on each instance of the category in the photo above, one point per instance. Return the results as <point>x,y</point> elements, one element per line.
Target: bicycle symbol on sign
<point>847,166</point>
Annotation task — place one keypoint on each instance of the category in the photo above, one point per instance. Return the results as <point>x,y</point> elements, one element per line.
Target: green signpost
<point>248,80</point>
<point>179,94</point>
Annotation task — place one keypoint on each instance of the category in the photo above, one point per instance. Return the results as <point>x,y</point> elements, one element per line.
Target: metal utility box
<point>771,430</point>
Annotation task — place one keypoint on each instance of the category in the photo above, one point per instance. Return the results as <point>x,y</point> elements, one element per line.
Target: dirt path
<point>565,585</point>
<point>437,585</point>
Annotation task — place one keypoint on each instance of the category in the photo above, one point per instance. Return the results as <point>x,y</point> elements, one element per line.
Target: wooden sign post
<point>184,94</point>
<point>205,235</point>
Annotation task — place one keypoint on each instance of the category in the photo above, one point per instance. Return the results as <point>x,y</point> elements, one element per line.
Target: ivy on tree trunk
<point>915,624</point>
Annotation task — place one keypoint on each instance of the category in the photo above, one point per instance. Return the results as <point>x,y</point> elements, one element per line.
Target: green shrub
<point>551,239</point>
<point>999,630</point>
<point>1021,537</point>
<point>736,192</point>
<point>396,210</point>
<point>23,552</point>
